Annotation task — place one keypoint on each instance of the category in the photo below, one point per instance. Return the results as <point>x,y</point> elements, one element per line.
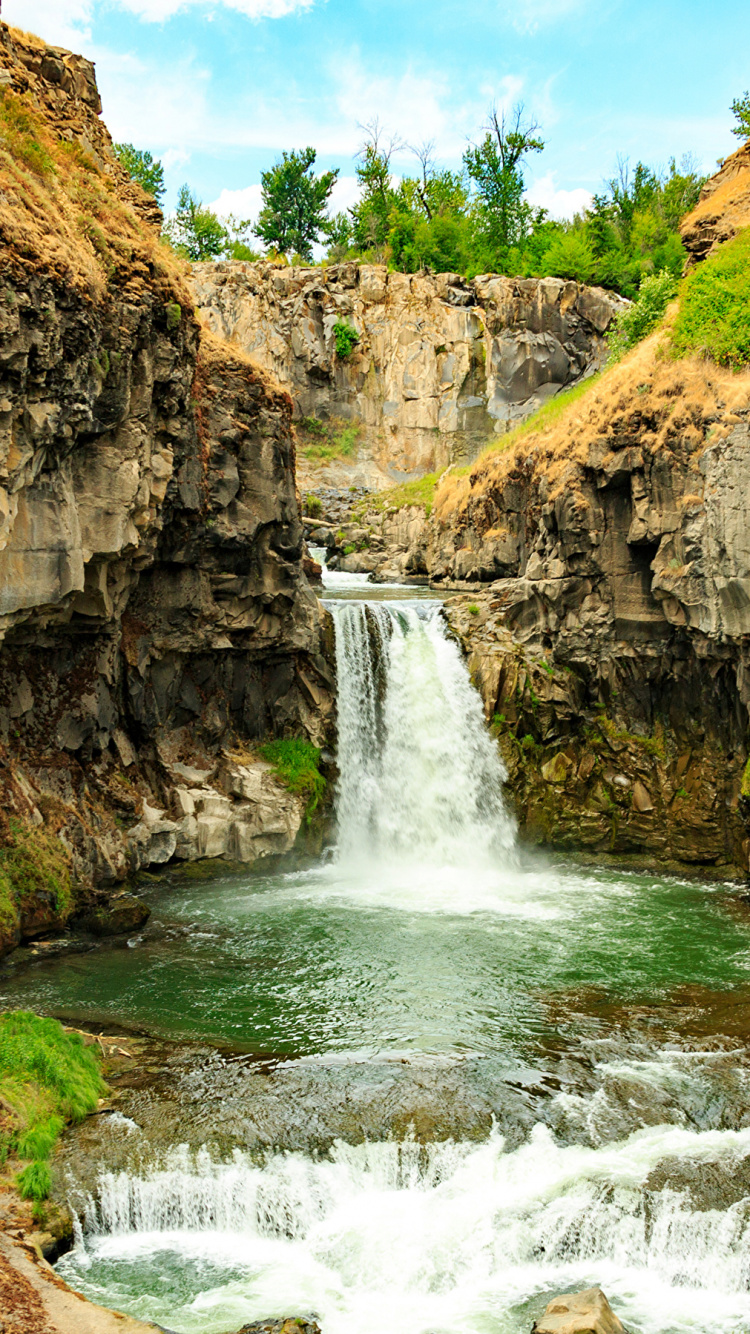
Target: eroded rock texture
<point>442,365</point>
<point>154,613</point>
<point>609,567</point>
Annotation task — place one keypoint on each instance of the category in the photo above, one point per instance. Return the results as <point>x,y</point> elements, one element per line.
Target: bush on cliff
<point>33,865</point>
<point>296,764</point>
<point>642,317</point>
<point>47,1077</point>
<point>714,315</point>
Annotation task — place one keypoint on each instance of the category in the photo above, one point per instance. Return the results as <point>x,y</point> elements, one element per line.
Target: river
<point>431,1080</point>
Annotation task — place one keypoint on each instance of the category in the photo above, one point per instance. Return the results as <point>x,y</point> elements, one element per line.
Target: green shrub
<point>313,506</point>
<point>47,1077</point>
<point>296,764</point>
<point>19,130</point>
<point>346,339</point>
<point>473,609</point>
<point>714,314</point>
<point>174,316</point>
<point>641,318</point>
<point>33,861</point>
<point>35,1181</point>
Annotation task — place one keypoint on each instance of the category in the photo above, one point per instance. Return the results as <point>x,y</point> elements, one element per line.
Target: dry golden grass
<point>27,38</point>
<point>647,400</point>
<point>68,208</point>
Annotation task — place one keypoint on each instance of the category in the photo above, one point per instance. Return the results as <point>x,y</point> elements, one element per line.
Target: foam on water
<point>443,1238</point>
<point>414,1238</point>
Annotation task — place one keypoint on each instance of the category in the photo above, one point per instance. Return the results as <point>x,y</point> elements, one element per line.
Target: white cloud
<point>238,203</point>
<point>174,158</point>
<point>544,193</point>
<point>530,15</point>
<point>156,11</point>
<point>344,195</point>
<point>67,24</point>
<point>246,203</point>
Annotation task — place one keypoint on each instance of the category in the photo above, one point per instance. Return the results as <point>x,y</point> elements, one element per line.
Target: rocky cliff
<point>154,613</point>
<point>442,365</point>
<point>607,622</point>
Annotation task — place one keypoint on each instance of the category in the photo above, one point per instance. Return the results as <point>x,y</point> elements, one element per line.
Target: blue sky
<point>217,88</point>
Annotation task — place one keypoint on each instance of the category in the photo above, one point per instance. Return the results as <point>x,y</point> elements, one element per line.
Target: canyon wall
<point>605,564</point>
<point>155,617</point>
<point>442,366</point>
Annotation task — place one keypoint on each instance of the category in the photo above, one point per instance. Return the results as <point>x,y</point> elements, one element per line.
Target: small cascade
<point>420,778</point>
<point>415,1238</point>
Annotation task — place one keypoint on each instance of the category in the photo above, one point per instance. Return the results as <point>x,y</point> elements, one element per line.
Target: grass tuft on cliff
<point>47,1077</point>
<point>714,314</point>
<point>32,862</point>
<point>419,491</point>
<point>296,765</point>
<point>320,442</point>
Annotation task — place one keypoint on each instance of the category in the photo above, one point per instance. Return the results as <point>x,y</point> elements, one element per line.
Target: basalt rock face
<point>608,615</point>
<point>155,618</point>
<point>442,364</point>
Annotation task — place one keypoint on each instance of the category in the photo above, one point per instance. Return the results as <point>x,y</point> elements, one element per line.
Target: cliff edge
<point>155,618</point>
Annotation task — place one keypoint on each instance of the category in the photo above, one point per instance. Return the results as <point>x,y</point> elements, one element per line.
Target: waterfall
<point>420,777</point>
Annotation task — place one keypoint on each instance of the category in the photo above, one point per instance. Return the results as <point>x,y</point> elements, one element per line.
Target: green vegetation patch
<point>19,132</point>
<point>745,788</point>
<point>296,764</point>
<point>32,861</point>
<point>47,1077</point>
<point>346,339</point>
<point>714,315</point>
<point>641,318</point>
<point>328,440</point>
<point>420,491</point>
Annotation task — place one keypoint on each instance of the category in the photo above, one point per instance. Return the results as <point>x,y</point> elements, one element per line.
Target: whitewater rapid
<point>456,1236</point>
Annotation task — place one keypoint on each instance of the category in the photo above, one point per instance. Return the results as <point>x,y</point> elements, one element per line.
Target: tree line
<point>475,220</point>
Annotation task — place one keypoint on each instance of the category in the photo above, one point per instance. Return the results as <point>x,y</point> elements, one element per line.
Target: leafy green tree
<point>237,239</point>
<point>741,112</point>
<point>371,215</point>
<point>143,168</point>
<point>495,166</point>
<point>195,231</point>
<point>293,216</point>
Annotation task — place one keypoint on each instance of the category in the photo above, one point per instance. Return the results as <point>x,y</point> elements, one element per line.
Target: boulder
<point>123,913</point>
<point>586,1312</point>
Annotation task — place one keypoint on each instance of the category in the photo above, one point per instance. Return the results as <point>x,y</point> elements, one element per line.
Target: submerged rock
<point>292,1325</point>
<point>586,1312</point>
<point>123,913</point>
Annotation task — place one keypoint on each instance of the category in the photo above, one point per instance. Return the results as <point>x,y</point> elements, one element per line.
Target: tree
<point>143,168</point>
<point>371,216</point>
<point>496,168</point>
<point>293,216</point>
<point>236,239</point>
<point>741,112</point>
<point>195,231</point>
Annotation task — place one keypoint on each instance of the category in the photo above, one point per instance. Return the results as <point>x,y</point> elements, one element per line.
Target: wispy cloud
<point>529,16</point>
<point>156,11</point>
<point>70,23</point>
<point>59,24</point>
<point>544,193</point>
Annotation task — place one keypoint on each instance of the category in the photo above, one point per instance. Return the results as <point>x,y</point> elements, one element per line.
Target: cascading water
<point>411,962</point>
<point>420,779</point>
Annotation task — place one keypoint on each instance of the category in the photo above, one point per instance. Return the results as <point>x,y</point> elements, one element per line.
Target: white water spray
<point>414,1238</point>
<point>420,778</point>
